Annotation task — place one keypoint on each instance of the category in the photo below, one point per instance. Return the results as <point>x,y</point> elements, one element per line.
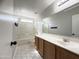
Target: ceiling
<point>30,8</point>
<point>35,5</point>
<point>26,8</point>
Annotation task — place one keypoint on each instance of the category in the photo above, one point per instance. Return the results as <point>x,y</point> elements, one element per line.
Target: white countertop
<point>72,45</point>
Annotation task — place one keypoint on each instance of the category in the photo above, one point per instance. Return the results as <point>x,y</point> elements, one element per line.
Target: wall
<point>62,20</point>
<point>26,31</point>
<point>38,24</point>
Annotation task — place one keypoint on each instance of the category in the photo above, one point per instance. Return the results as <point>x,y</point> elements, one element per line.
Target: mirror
<point>63,23</point>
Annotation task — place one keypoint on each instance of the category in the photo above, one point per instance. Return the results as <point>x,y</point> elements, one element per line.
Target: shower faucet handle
<point>13,43</point>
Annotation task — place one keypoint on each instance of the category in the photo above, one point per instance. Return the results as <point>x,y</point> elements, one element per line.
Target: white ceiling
<point>26,8</point>
<point>35,5</point>
<point>29,7</point>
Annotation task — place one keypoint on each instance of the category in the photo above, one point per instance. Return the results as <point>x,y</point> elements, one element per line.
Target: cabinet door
<point>40,48</point>
<point>64,54</point>
<point>36,42</point>
<point>49,50</point>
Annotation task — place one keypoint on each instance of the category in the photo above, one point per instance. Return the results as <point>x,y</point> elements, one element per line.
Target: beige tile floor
<point>26,51</point>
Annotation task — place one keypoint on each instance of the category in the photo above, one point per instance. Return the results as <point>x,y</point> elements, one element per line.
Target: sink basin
<point>66,40</point>
<point>63,41</point>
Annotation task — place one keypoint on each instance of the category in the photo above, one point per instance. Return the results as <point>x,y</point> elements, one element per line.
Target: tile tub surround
<point>26,51</point>
<point>72,45</point>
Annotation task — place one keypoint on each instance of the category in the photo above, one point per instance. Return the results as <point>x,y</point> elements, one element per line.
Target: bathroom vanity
<point>52,46</point>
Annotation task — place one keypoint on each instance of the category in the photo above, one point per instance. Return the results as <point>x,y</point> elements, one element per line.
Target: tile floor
<point>26,51</point>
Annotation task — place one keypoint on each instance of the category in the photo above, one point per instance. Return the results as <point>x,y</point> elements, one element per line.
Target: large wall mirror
<point>63,23</point>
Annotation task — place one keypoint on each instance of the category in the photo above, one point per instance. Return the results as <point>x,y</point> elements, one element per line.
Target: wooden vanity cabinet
<point>40,47</point>
<point>64,54</point>
<point>36,42</point>
<point>49,50</point>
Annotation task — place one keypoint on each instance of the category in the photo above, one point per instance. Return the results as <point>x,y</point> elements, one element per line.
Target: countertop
<point>72,44</point>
